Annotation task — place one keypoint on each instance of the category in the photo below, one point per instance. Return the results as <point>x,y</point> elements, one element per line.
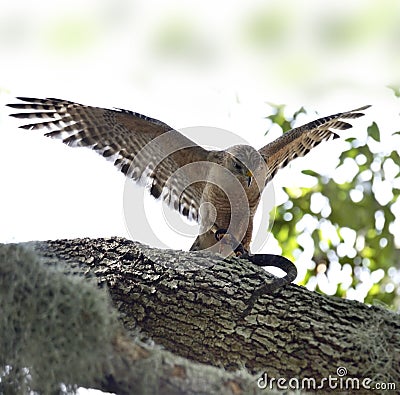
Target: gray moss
<point>53,328</point>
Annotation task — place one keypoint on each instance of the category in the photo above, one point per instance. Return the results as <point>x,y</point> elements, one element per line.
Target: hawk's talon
<point>220,233</point>
<point>240,251</point>
<point>225,237</point>
<point>244,255</point>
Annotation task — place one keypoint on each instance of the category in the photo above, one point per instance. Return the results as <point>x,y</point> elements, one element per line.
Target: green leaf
<point>278,117</point>
<point>373,131</point>
<point>395,89</point>
<point>311,173</point>
<point>301,110</point>
<point>394,155</point>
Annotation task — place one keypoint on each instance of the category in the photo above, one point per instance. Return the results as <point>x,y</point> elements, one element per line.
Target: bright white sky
<point>189,64</point>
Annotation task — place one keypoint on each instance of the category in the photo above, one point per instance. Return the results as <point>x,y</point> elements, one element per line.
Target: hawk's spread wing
<point>299,141</point>
<point>141,147</point>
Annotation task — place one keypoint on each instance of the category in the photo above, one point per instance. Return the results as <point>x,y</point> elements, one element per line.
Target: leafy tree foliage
<point>345,232</point>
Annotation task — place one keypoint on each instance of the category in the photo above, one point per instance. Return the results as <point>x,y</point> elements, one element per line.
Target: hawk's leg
<point>225,237</point>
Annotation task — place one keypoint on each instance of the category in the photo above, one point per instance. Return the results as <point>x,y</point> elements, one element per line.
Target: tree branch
<point>191,303</point>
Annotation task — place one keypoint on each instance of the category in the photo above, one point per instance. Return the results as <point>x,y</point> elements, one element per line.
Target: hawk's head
<point>246,164</point>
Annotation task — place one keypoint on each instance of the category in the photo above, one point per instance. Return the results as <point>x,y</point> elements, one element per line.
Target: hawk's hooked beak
<point>249,175</point>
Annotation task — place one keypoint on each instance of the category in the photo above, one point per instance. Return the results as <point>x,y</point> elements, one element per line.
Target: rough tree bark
<point>191,303</point>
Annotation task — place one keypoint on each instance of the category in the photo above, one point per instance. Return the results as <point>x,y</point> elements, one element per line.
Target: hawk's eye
<point>237,166</point>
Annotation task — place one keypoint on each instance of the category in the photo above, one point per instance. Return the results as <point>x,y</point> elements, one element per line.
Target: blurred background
<point>252,68</point>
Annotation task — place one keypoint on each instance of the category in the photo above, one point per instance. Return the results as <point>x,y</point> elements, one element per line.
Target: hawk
<point>220,189</point>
